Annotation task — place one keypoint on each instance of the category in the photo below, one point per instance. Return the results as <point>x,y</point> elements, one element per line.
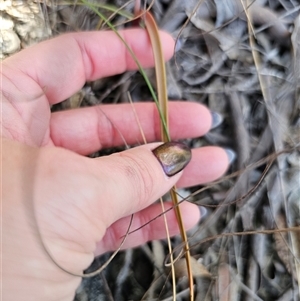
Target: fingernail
<point>231,154</point>
<point>173,157</point>
<point>217,119</point>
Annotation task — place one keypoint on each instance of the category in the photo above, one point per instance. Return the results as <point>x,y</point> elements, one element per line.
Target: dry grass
<point>254,84</point>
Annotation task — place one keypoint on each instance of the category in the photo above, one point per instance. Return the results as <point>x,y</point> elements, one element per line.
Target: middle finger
<point>87,130</point>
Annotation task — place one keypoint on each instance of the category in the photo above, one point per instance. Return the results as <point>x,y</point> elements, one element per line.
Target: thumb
<point>131,180</point>
<point>85,196</point>
<point>90,195</point>
<point>68,201</point>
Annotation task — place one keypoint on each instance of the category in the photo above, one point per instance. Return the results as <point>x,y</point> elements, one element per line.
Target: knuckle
<point>138,173</point>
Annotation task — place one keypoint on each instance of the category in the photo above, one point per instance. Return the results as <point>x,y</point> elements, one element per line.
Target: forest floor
<point>253,82</point>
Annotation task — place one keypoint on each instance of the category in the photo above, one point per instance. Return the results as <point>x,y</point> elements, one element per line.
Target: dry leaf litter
<point>259,101</point>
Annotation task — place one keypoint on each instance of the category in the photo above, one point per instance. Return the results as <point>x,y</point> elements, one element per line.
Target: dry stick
<point>247,15</point>
<point>186,23</point>
<point>97,271</point>
<point>117,129</point>
<point>132,18</point>
<point>163,102</point>
<point>194,11</point>
<point>107,7</point>
<point>250,191</point>
<point>146,79</point>
<point>161,201</point>
<point>267,96</point>
<point>267,100</point>
<point>162,119</point>
<point>101,25</point>
<point>230,234</point>
<point>271,157</point>
<point>100,269</point>
<point>160,72</point>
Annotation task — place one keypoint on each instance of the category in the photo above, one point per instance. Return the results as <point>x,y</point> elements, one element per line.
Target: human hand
<point>81,207</point>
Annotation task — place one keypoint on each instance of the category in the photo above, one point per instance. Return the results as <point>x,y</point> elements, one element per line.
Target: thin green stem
<point>141,70</point>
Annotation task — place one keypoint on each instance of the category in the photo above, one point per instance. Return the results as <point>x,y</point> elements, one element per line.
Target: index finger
<point>62,65</point>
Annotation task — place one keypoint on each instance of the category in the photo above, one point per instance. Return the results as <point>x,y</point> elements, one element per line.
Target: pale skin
<point>81,207</point>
